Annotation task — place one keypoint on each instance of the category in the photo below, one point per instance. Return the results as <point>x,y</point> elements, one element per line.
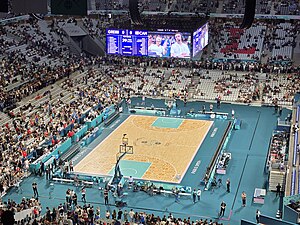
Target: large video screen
<point>148,43</point>
<point>127,42</point>
<point>200,39</point>
<point>169,44</point>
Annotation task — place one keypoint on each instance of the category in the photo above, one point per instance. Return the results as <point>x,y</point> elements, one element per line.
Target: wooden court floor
<point>169,150</point>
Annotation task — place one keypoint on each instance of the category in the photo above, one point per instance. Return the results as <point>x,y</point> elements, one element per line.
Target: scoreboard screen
<point>148,43</point>
<point>127,42</point>
<point>200,39</point>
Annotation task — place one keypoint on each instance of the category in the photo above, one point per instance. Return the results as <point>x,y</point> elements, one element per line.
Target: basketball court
<point>163,148</point>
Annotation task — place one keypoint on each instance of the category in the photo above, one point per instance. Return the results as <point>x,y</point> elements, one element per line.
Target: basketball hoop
<point>124,140</point>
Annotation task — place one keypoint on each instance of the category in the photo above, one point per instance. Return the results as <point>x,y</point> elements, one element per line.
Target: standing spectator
<point>218,101</point>
<point>7,217</point>
<point>244,196</point>
<point>53,215</point>
<point>105,196</point>
<point>280,111</point>
<point>276,108</point>
<point>1,188</point>
<point>194,195</point>
<point>232,114</point>
<point>42,168</point>
<point>48,214</point>
<point>219,182</point>
<point>131,215</point>
<point>74,199</point>
<point>223,207</point>
<point>83,192</point>
<point>211,106</point>
<point>125,215</point>
<point>107,215</point>
<point>130,182</point>
<point>278,189</point>
<point>228,185</point>
<point>114,214</point>
<point>199,194</point>
<point>35,190</point>
<point>176,194</point>
<point>48,173</point>
<point>91,214</point>
<point>71,166</point>
<point>120,213</point>
<point>257,216</point>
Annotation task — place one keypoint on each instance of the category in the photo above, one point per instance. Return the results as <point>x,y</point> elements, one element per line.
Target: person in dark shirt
<point>35,190</point>
<point>8,217</point>
<point>278,190</point>
<point>223,207</point>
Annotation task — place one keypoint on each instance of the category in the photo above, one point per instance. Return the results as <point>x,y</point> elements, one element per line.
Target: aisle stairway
<point>195,82</point>
<point>276,177</point>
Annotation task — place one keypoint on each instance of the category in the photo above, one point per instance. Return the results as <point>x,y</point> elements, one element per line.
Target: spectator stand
<point>63,148</point>
<point>279,90</point>
<point>240,45</point>
<point>232,87</point>
<point>287,7</point>
<point>276,165</point>
<point>25,210</point>
<point>178,84</point>
<point>283,43</point>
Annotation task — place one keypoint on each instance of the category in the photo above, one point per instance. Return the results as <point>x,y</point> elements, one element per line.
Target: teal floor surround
<point>248,146</point>
<point>165,122</point>
<point>132,168</point>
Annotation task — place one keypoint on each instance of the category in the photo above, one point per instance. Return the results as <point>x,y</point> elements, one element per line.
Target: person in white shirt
<point>131,215</point>
<point>257,216</point>
<point>130,181</point>
<point>199,194</point>
<point>107,214</point>
<point>156,49</point>
<point>179,49</point>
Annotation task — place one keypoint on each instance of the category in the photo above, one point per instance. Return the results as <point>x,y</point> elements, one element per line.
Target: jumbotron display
<point>148,43</point>
<point>169,44</point>
<point>127,42</point>
<point>200,39</point>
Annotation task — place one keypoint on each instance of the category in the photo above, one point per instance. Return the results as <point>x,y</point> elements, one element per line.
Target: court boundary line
<point>147,157</point>
<point>104,140</point>
<point>198,148</point>
<point>188,165</point>
<point>141,178</point>
<point>163,127</point>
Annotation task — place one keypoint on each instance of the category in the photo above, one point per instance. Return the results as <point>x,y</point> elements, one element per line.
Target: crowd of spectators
<point>21,213</point>
<point>229,6</point>
<point>96,27</point>
<point>48,113</point>
<point>88,214</point>
<point>287,7</point>
<point>281,41</point>
<point>278,89</point>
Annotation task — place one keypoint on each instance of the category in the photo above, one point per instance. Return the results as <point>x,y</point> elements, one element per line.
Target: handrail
<point>293,181</point>
<point>296,139</point>
<point>212,163</point>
